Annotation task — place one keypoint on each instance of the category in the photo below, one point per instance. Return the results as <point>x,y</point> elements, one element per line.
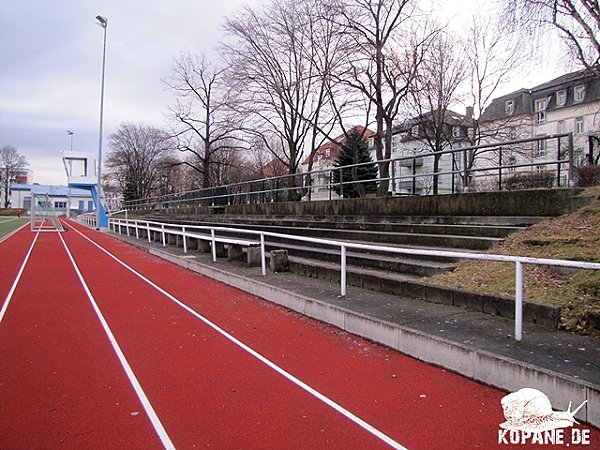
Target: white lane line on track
<point>17,279</point>
<point>340,409</point>
<point>156,423</point>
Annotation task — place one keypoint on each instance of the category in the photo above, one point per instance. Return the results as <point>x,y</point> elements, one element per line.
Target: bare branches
<point>11,163</point>
<point>577,22</point>
<point>139,158</point>
<point>202,113</point>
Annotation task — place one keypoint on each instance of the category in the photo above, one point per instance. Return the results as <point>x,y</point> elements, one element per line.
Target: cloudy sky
<point>51,60</point>
<point>51,57</point>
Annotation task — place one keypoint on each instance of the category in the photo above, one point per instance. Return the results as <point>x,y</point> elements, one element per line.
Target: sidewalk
<point>564,366</point>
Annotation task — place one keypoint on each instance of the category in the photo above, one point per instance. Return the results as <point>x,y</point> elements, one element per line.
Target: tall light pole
<point>71,133</point>
<point>103,22</point>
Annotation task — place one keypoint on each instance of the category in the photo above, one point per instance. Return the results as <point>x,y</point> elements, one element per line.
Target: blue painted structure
<point>81,174</point>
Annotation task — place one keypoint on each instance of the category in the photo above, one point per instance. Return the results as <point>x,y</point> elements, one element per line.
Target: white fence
<point>211,234</point>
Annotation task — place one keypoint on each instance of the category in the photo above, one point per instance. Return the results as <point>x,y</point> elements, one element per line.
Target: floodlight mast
<point>103,22</point>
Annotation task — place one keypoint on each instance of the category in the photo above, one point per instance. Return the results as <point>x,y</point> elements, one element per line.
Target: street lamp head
<point>102,21</point>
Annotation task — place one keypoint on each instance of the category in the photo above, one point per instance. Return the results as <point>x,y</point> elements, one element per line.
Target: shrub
<point>588,175</point>
<point>529,181</point>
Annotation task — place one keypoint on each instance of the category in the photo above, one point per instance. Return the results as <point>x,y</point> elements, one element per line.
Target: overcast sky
<point>51,59</point>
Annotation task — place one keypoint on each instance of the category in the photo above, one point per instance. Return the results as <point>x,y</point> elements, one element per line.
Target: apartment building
<point>414,144</point>
<point>323,161</point>
<point>569,103</point>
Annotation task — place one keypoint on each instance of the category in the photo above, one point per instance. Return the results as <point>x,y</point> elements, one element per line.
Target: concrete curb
<point>495,370</point>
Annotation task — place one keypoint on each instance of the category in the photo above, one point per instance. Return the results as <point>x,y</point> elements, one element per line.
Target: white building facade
<point>567,104</point>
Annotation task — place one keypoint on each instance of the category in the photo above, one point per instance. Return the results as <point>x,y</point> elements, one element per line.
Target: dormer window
<point>540,109</point>
<point>414,131</point>
<point>328,153</point>
<point>456,131</point>
<point>561,97</point>
<point>579,93</point>
<point>509,107</point>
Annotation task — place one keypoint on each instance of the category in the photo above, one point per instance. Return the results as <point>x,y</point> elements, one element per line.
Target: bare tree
<point>279,59</point>
<point>140,159</point>
<point>11,163</point>
<point>577,22</point>
<point>388,49</point>
<point>435,89</point>
<point>205,123</point>
<point>494,54</point>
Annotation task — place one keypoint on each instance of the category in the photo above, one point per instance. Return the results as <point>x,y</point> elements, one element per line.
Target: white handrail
<point>519,261</point>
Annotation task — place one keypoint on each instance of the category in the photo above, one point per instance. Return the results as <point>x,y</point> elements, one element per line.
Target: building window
<point>561,126</point>
<point>319,157</point>
<point>509,107</point>
<point>579,125</point>
<point>512,133</point>
<point>328,153</point>
<point>414,131</point>
<point>541,147</point>
<point>561,97</point>
<point>579,93</point>
<point>512,162</point>
<point>540,109</point>
<point>456,131</point>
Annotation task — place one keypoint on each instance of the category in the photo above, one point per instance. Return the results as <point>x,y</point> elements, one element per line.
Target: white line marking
<point>366,426</point>
<point>17,279</point>
<point>156,423</point>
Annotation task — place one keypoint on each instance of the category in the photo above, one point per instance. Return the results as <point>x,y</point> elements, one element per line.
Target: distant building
<point>323,161</point>
<point>569,103</point>
<point>412,142</point>
<point>61,197</point>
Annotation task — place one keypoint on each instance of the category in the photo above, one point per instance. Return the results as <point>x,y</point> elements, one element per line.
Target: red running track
<point>203,365</point>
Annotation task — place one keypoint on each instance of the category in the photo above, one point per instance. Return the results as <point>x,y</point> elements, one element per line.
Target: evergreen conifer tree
<point>361,179</point>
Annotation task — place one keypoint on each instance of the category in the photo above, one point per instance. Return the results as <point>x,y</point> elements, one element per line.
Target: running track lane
<point>60,382</point>
<point>414,403</point>
<point>206,391</point>
<point>420,406</point>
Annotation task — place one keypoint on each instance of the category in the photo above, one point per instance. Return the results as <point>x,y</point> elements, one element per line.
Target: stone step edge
<point>504,306</point>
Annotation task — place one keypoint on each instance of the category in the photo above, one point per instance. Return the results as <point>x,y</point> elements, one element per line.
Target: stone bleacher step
<point>412,265</point>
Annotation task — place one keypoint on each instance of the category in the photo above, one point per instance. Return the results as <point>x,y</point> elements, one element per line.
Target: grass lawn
<point>10,223</point>
<point>574,236</point>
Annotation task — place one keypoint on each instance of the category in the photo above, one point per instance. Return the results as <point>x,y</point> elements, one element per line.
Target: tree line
<point>293,73</point>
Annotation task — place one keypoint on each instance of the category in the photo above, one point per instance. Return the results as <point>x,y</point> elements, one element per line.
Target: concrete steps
<point>462,233</point>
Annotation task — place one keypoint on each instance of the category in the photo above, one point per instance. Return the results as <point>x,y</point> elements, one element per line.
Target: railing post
<point>164,241</point>
<point>343,271</point>
<point>184,237</point>
<point>263,264</point>
<point>571,163</point>
<point>148,228</point>
<point>558,165</point>
<point>137,230</point>
<point>213,245</point>
<point>518,301</point>
<point>466,172</point>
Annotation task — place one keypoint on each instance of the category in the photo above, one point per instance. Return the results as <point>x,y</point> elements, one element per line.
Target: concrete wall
<point>538,202</point>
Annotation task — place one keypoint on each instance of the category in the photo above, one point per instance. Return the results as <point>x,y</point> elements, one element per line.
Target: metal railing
<point>457,175</point>
<point>212,234</point>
